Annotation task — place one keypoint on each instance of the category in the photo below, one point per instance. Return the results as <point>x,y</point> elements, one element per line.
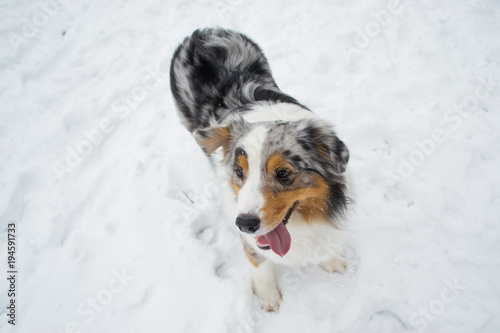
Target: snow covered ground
<point>117,216</point>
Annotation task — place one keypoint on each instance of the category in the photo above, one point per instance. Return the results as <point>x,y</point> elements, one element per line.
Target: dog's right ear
<point>210,139</point>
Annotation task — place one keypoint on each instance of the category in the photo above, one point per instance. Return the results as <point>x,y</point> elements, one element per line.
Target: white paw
<point>265,288</point>
<point>270,302</point>
<point>337,264</point>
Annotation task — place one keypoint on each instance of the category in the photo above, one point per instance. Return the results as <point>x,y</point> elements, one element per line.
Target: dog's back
<point>216,71</point>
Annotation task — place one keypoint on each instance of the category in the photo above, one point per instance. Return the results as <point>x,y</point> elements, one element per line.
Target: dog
<point>282,168</point>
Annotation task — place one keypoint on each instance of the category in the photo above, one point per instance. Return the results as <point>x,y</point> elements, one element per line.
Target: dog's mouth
<point>278,239</point>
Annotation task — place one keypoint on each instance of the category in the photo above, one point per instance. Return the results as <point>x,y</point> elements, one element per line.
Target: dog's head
<point>280,168</point>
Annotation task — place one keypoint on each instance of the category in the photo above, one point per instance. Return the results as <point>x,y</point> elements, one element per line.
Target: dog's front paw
<point>337,264</point>
<point>271,301</point>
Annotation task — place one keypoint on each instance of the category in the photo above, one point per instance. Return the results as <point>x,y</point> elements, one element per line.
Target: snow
<point>131,236</point>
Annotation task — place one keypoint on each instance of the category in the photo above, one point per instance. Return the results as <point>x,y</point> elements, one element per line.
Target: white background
<point>389,76</point>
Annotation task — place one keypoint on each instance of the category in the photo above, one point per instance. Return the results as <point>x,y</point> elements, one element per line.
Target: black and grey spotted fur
<point>215,72</point>
<point>218,75</point>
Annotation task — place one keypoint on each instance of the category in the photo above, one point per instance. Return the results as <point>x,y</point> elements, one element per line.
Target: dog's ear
<point>336,153</point>
<point>210,139</point>
<point>332,150</point>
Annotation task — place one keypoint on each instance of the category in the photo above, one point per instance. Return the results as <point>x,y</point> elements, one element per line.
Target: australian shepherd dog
<point>282,167</point>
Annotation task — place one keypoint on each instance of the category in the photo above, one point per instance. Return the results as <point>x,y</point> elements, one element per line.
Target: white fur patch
<point>250,199</point>
<point>276,112</point>
<point>311,243</point>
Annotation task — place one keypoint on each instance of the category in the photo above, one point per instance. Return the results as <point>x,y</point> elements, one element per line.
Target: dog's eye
<point>282,174</point>
<point>239,172</point>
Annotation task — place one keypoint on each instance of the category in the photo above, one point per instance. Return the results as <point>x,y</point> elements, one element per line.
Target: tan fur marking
<point>236,188</point>
<point>250,258</point>
<point>312,201</point>
<point>323,151</point>
<point>277,161</point>
<point>253,257</point>
<point>243,163</point>
<point>217,137</point>
<point>313,209</point>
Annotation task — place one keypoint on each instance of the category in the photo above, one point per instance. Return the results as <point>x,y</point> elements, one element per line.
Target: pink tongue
<point>279,240</point>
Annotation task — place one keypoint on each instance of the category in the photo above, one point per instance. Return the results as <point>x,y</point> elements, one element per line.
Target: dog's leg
<point>265,288</point>
<point>336,264</point>
<point>263,280</point>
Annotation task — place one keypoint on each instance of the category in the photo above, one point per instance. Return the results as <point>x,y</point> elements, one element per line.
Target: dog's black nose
<point>248,223</point>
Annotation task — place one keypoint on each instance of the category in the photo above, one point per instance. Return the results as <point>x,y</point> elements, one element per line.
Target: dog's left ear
<point>210,139</point>
<point>338,154</point>
<point>329,146</point>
